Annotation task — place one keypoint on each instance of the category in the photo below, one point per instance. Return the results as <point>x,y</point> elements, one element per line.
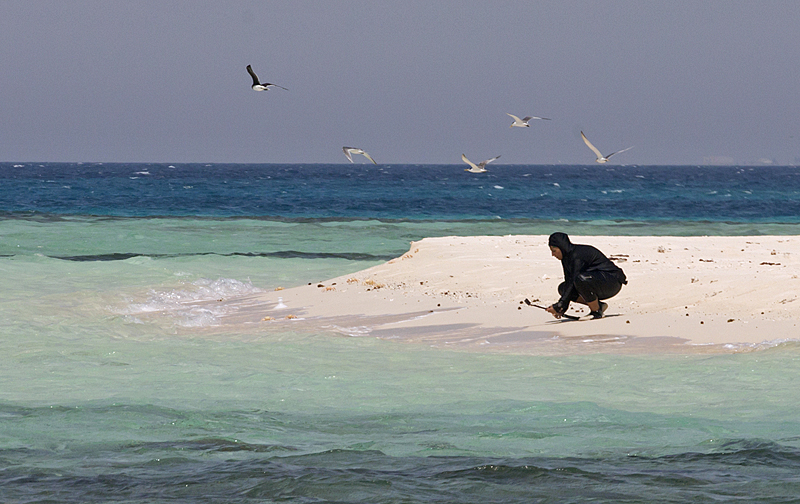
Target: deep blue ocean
<point>112,390</point>
<point>406,192</point>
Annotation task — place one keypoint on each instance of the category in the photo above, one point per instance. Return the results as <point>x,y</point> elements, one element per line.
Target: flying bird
<point>258,85</point>
<point>523,123</point>
<point>480,167</point>
<point>355,150</point>
<point>600,157</point>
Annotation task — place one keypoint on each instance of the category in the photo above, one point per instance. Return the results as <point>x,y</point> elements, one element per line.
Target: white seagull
<point>480,167</point>
<point>355,150</point>
<point>600,157</point>
<point>523,123</point>
<point>258,85</point>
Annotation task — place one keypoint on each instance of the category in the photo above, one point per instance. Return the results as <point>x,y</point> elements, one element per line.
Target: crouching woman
<point>589,276</point>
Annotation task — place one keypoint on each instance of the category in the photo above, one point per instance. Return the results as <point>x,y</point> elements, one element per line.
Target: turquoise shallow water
<point>101,404</point>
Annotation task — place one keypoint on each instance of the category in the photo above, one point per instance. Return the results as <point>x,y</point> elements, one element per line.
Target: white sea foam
<point>764,345</point>
<point>352,331</point>
<point>192,305</point>
<point>200,317</point>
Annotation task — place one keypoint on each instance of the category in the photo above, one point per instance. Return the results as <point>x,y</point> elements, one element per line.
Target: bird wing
<point>473,165</point>
<point>346,151</point>
<point>536,117</point>
<point>619,151</point>
<point>589,144</point>
<point>528,118</point>
<point>252,74</point>
<point>516,119</point>
<point>271,84</point>
<point>484,163</point>
<point>368,157</point>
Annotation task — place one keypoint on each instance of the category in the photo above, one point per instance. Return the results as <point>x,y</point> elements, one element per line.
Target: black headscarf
<point>561,240</point>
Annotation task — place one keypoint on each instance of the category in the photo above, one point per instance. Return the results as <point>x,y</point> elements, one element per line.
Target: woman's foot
<point>599,313</point>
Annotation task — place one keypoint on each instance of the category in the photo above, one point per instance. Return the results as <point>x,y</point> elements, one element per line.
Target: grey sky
<point>410,82</point>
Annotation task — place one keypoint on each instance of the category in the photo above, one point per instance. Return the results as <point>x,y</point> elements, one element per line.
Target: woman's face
<point>556,252</point>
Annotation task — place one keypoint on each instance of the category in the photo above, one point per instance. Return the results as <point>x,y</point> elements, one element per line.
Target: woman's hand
<point>552,310</point>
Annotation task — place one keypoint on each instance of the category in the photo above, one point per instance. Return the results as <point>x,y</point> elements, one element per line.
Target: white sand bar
<point>683,294</point>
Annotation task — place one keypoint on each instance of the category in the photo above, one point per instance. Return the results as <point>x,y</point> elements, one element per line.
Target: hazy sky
<point>684,82</point>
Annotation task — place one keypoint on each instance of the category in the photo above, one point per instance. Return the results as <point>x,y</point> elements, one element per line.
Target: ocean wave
<point>764,345</point>
<point>209,469</point>
<point>355,331</point>
<point>191,306</point>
